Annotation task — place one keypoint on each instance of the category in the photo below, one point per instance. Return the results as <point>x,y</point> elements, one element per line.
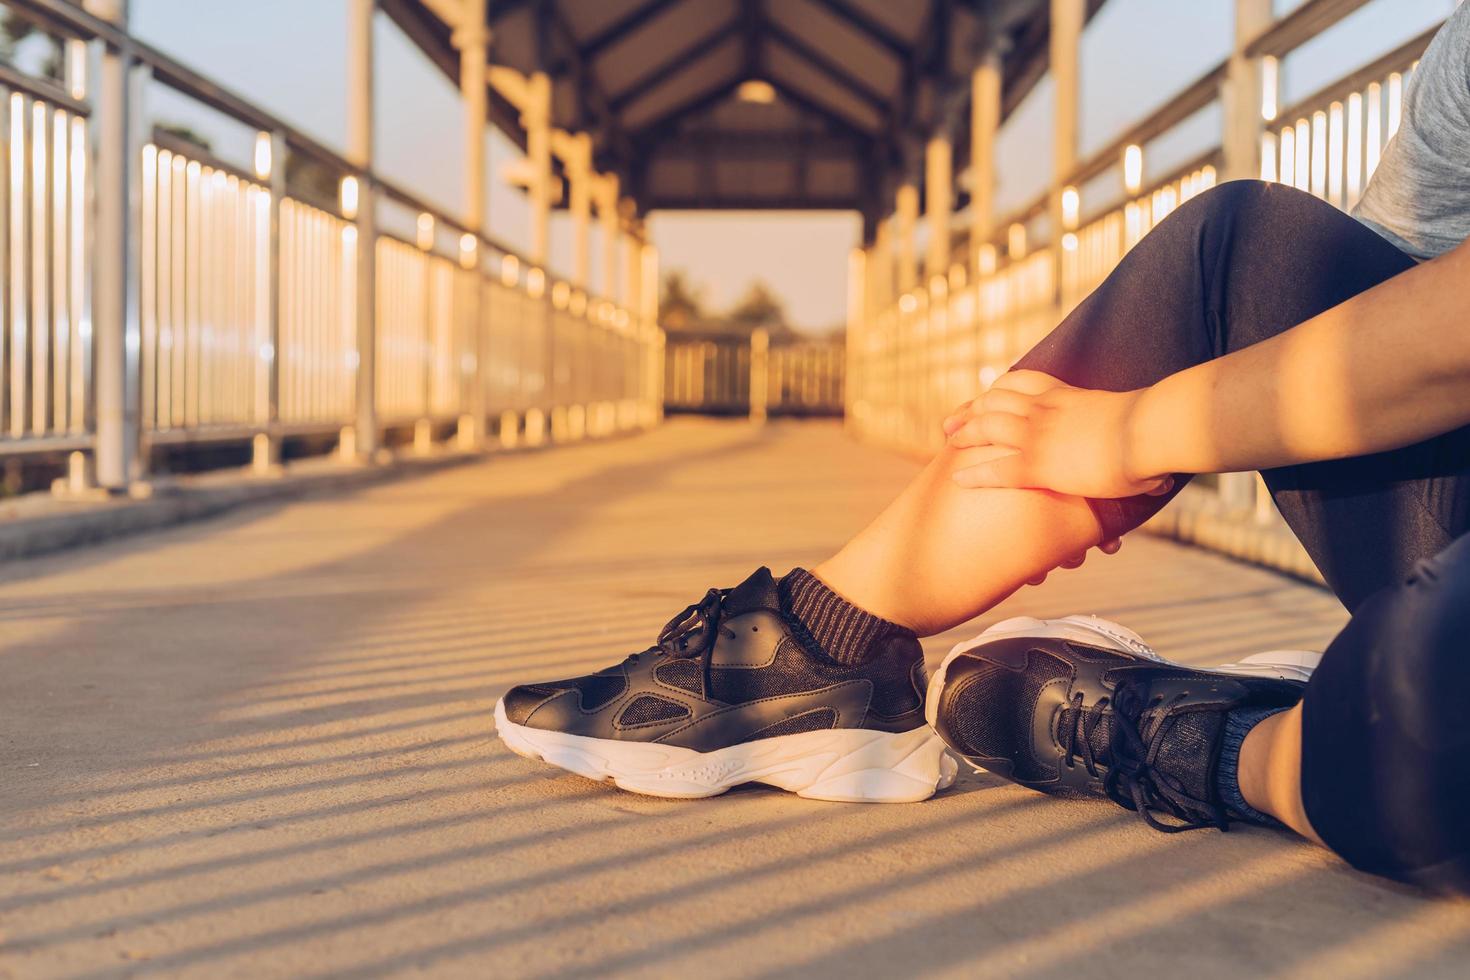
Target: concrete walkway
<point>261,746</point>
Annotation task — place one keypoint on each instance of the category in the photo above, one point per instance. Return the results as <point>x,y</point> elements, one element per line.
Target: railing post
<point>1067,20</point>
<point>858,293</point>
<point>362,440</point>
<point>939,202</point>
<point>760,374</point>
<point>906,204</point>
<point>985,106</point>
<point>648,314</point>
<point>1242,94</point>
<point>473,41</point>
<point>1244,118</point>
<point>266,446</point>
<point>115,283</point>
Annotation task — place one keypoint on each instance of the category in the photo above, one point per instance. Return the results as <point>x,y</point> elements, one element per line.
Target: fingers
<point>956,418</point>
<point>1165,484</point>
<point>1003,400</point>
<point>1004,471</point>
<point>1108,547</point>
<point>991,429</point>
<point>1010,393</point>
<point>989,420</point>
<point>1027,382</point>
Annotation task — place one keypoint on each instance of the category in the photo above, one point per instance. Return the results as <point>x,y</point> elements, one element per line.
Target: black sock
<point>844,632</point>
<point>1238,725</point>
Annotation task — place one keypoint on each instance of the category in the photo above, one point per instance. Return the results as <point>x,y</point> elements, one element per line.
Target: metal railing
<point>241,301</point>
<point>45,344</point>
<point>745,374</point>
<point>938,345</point>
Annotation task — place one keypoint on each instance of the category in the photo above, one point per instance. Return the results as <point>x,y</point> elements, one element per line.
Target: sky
<point>289,56</point>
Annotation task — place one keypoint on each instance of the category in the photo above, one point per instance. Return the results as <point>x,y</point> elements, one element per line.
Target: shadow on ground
<point>261,746</point>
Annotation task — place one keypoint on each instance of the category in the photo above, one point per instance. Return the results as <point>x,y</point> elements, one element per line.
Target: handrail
<point>1370,72</point>
<point>1200,93</point>
<point>165,140</point>
<point>44,89</point>
<point>1304,23</point>
<point>182,78</point>
<point>1206,158</point>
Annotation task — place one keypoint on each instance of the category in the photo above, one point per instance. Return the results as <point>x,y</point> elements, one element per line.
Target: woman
<point>1255,328</point>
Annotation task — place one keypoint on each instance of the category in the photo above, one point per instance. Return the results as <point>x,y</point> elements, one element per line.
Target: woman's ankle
<point>1270,771</point>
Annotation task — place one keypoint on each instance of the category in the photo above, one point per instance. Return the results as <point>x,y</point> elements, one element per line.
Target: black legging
<point>1386,741</point>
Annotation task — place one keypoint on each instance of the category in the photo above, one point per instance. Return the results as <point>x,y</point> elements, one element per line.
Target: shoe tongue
<point>755,593</point>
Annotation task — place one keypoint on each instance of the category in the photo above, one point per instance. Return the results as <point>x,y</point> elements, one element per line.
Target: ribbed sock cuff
<point>845,633</point>
<point>1238,725</point>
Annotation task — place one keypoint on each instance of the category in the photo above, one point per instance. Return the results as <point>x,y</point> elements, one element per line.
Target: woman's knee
<point>1386,739</point>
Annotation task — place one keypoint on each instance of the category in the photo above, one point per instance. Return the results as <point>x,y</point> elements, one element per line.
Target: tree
<point>682,305</point>
<point>761,307</point>
<point>15,31</point>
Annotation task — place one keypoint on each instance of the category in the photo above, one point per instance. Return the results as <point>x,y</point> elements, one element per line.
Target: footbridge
<point>444,448</point>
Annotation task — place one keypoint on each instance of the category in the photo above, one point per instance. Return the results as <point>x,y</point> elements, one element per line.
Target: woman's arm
<point>1387,368</point>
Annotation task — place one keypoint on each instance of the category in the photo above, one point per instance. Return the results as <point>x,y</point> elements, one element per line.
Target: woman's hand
<point>1108,547</point>
<point>1068,440</point>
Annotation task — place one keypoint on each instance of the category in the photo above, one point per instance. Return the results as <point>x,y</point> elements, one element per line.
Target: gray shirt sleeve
<point>1419,197</point>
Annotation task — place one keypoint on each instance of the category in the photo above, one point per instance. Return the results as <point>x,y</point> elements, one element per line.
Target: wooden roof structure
<point>846,91</point>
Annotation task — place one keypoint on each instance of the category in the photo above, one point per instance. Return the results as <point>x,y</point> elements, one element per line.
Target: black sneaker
<point>1082,706</point>
<point>735,693</point>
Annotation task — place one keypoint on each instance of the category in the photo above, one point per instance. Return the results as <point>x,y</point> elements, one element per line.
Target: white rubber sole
<point>845,765</point>
<point>1294,665</point>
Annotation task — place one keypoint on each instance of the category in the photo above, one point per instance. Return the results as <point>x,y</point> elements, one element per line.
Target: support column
<point>883,266</point>
<point>578,162</point>
<point>1067,20</point>
<point>114,301</point>
<point>859,309</point>
<point>536,119</point>
<point>632,265</point>
<point>473,41</point>
<point>608,189</point>
<point>266,450</point>
<point>760,374</point>
<point>647,302</point>
<point>1245,115</point>
<point>361,440</point>
<point>907,215</point>
<point>1241,98</point>
<point>985,89</point>
<point>939,195</point>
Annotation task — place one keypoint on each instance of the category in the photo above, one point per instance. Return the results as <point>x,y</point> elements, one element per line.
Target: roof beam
<point>826,66</point>
<point>659,126</point>
<point>622,27</point>
<point>750,31</point>
<point>826,113</point>
<point>753,202</point>
<point>874,31</point>
<point>648,82</point>
<point>497,9</point>
<point>762,144</point>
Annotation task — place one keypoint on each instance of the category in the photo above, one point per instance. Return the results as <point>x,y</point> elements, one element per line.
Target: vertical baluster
<point>60,280</point>
<point>148,273</point>
<point>20,277</point>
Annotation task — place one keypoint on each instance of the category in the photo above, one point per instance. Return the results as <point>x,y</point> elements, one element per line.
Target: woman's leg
<point>1232,267</point>
<point>1375,761</point>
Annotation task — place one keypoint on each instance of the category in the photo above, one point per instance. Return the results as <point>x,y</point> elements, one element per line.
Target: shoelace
<point>693,632</point>
<point>1138,734</point>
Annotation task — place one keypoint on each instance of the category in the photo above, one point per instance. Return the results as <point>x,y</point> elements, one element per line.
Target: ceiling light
<point>756,91</point>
